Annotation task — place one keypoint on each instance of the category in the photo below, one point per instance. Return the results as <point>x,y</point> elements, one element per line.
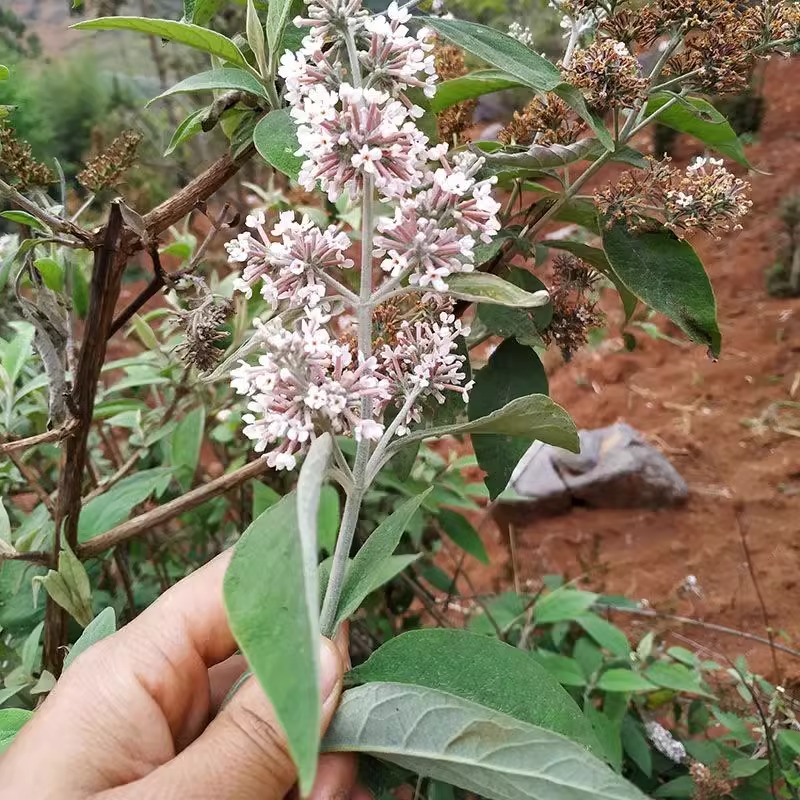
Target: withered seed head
<point>17,164</point>
<point>107,168</point>
<point>549,117</point>
<point>201,322</point>
<point>453,121</point>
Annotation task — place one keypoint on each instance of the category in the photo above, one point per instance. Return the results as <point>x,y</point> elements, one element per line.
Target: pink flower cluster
<point>356,126</point>
<point>307,381</point>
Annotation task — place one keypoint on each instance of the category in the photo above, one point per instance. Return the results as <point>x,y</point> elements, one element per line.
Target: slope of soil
<point>717,422</point>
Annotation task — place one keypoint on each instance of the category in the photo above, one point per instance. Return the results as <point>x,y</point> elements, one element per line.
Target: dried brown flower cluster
<point>711,783</point>
<point>574,311</point>
<point>631,27</point>
<point>704,197</point>
<point>453,121</point>
<point>547,120</point>
<point>201,323</point>
<point>107,168</point>
<point>17,164</point>
<point>607,75</point>
<point>723,41</point>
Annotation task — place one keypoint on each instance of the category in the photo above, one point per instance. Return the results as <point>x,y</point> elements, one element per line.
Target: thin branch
<point>51,220</point>
<point>56,435</point>
<point>145,523</point>
<point>710,626</point>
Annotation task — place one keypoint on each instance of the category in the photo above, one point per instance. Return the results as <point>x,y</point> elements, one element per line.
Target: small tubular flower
<point>289,267</point>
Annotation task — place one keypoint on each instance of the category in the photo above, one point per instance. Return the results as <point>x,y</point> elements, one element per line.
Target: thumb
<point>242,754</point>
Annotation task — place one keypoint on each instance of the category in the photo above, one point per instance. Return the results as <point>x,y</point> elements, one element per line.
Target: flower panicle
<point>348,89</point>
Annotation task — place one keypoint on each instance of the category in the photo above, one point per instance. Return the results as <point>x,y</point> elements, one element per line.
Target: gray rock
<point>616,468</point>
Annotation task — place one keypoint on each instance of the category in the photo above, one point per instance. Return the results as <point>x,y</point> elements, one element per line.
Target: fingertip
<point>331,669</point>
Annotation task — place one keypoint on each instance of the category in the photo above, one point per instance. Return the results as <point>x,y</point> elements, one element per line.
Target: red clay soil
<point>717,423</point>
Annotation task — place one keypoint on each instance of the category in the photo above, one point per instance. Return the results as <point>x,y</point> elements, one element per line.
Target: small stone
<point>616,468</point>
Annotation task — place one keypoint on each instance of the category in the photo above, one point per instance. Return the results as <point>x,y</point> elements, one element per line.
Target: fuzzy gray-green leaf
<point>444,737</point>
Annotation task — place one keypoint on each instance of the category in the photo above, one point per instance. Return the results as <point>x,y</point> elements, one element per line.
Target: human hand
<point>138,715</point>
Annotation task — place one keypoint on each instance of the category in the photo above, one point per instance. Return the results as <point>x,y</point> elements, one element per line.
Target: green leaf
<point>481,669</point>
<point>636,746</point>
<point>513,371</point>
<point>746,767</point>
<point>499,50</point>
<point>483,287</point>
<point>676,677</point>
<point>200,12</point>
<point>684,656</point>
<point>790,739</point>
<point>5,72</point>
<point>23,218</point>
<point>598,259</point>
<point>185,444</point>
<point>460,530</point>
<point>18,351</point>
<point>524,325</point>
<point>52,273</point>
<point>700,119</point>
<point>70,587</point>
<point>190,127</point>
<point>277,17</point>
<point>18,614</point>
<point>255,36</point>
<point>182,32</point>
<point>562,605</point>
<point>468,745</point>
<point>328,519</point>
<point>265,582</point>
<point>624,680</point>
<point>534,416</point>
<point>114,506</point>
<point>103,625</point>
<point>605,634</point>
<point>263,497</point>
<point>468,87</point>
<point>682,786</point>
<point>541,157</point>
<point>564,669</point>
<point>382,542</point>
<point>608,732</point>
<point>309,487</point>
<point>11,722</point>
<point>5,524</point>
<point>666,273</point>
<point>216,79</point>
<point>275,138</point>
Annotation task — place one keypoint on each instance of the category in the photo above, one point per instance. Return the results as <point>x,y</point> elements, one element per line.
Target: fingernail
<point>330,668</point>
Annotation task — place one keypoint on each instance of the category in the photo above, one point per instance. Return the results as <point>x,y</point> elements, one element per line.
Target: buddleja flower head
<point>356,127</point>
<point>706,197</point>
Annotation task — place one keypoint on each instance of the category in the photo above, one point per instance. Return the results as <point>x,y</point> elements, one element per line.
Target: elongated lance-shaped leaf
<point>369,560</point>
<point>535,416</point>
<point>215,79</point>
<point>441,736</point>
<point>309,488</point>
<point>539,156</point>
<point>182,32</point>
<point>700,119</point>
<point>470,86</point>
<point>277,17</point>
<point>481,669</point>
<point>255,37</point>
<point>267,604</point>
<point>103,625</point>
<point>499,50</point>
<point>483,287</point>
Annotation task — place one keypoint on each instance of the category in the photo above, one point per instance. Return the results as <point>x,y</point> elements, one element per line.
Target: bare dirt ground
<point>717,422</point>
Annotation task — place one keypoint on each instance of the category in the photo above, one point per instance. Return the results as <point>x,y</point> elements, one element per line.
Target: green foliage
<point>666,273</point>
<point>266,579</point>
<point>514,370</point>
<point>275,138</point>
<point>511,760</point>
